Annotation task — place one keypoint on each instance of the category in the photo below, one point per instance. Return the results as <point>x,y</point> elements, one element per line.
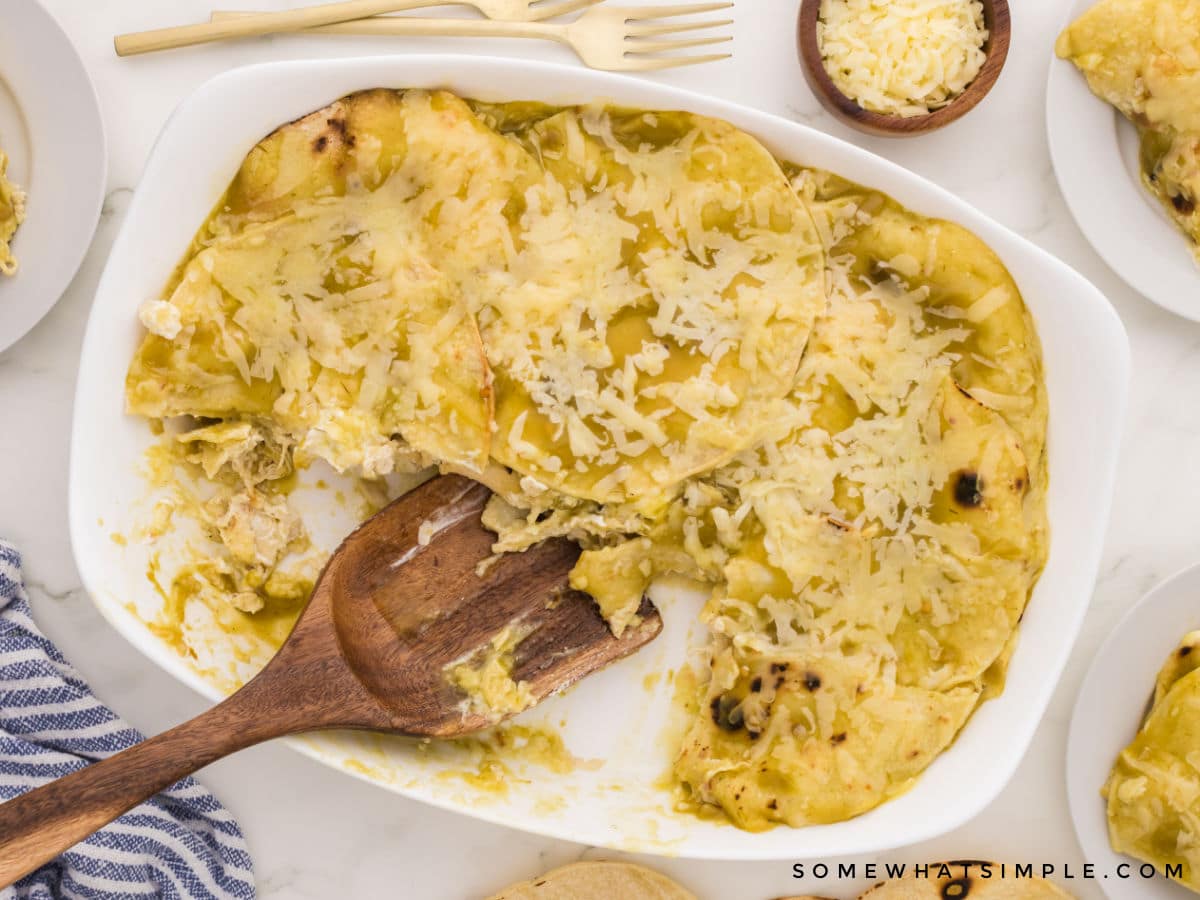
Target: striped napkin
<point>181,844</point>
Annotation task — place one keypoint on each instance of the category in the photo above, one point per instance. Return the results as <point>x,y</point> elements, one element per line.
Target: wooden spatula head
<point>416,590</point>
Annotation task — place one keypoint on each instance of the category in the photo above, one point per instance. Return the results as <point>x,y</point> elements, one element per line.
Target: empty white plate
<point>51,129</point>
<point>1109,712</point>
<point>1094,149</point>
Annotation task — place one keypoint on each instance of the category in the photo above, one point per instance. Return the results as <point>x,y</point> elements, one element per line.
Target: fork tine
<point>656,30</point>
<point>652,63</point>
<point>637,48</point>
<point>552,9</point>
<point>641,13</point>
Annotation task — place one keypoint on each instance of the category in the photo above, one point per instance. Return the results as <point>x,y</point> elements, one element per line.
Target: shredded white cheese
<point>161,318</point>
<point>425,533</point>
<point>902,57</point>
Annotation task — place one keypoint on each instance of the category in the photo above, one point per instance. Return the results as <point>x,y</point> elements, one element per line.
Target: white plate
<point>51,129</point>
<point>1094,149</point>
<point>610,717</point>
<point>1109,712</point>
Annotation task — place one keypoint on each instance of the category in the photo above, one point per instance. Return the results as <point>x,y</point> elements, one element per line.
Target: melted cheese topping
<point>486,678</point>
<point>1153,792</point>
<point>788,387</point>
<point>1143,57</point>
<point>664,291</point>
<point>12,214</point>
<point>873,554</point>
<point>902,57</point>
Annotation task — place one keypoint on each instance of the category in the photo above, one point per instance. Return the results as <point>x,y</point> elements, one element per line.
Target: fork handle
<point>260,23</point>
<point>398,26</point>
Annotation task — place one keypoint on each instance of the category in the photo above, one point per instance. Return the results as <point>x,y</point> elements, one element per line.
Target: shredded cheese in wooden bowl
<point>902,57</point>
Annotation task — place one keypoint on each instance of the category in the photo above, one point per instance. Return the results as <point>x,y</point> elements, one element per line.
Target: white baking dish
<point>614,720</point>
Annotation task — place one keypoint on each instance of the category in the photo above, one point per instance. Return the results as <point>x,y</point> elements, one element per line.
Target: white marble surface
<point>316,833</point>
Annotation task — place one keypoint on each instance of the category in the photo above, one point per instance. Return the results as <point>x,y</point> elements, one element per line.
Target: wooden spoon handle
<point>43,823</point>
<point>259,23</point>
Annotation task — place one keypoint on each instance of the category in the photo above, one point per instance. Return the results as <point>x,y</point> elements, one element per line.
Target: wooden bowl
<point>999,26</point>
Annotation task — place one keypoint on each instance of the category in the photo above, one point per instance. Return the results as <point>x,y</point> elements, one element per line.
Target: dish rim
<point>907,187</point>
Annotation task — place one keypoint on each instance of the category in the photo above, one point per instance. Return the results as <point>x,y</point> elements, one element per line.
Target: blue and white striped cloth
<point>181,844</point>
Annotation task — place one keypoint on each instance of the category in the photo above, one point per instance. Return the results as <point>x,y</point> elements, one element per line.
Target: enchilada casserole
<point>645,333</point>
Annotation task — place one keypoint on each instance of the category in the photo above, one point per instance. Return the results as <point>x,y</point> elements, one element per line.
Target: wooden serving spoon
<point>387,617</point>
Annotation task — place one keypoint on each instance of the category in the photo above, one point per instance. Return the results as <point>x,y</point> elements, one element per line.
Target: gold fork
<point>617,38</point>
<point>223,27</point>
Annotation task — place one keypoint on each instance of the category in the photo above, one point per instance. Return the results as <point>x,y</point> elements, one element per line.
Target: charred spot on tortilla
<point>968,489</point>
<point>726,712</point>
